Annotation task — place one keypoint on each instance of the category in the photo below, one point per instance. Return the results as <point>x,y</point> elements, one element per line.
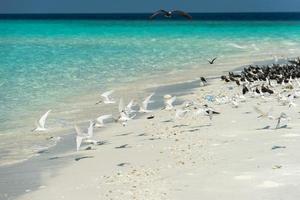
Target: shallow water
<point>43,63</point>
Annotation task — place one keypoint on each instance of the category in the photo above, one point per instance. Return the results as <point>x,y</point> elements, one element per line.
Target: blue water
<point>42,62</point>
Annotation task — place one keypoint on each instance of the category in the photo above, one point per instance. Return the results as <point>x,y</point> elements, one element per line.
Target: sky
<point>140,6</point>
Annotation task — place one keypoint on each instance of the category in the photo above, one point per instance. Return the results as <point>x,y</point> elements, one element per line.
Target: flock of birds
<point>279,80</point>
<point>254,81</point>
<point>126,113</point>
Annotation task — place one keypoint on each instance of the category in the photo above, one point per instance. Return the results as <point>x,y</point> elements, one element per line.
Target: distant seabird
<point>212,61</point>
<point>40,125</point>
<point>169,14</point>
<point>107,99</point>
<point>144,107</point>
<point>245,90</point>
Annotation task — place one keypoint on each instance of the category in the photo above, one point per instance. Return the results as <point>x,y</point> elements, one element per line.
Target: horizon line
<point>93,13</point>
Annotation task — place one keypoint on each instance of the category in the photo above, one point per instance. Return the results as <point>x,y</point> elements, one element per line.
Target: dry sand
<point>230,157</point>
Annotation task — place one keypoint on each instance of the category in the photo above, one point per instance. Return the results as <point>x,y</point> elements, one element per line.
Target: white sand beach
<point>234,156</point>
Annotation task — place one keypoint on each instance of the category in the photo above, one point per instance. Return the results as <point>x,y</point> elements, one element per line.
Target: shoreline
<point>62,152</point>
<point>232,156</point>
<point>180,89</point>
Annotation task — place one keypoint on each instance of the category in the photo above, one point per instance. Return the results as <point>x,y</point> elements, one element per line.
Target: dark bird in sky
<point>169,14</point>
<point>212,61</point>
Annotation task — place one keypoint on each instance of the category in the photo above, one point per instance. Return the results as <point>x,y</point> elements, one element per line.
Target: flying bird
<point>40,125</point>
<point>100,120</point>
<point>144,107</point>
<point>180,113</point>
<point>124,115</point>
<point>128,108</point>
<point>169,14</point>
<point>107,99</point>
<point>84,137</point>
<point>169,101</point>
<point>281,117</point>
<point>212,61</point>
<point>263,114</point>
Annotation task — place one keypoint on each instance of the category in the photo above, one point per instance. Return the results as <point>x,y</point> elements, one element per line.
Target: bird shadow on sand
<point>142,134</point>
<point>269,128</point>
<point>154,139</point>
<point>125,134</point>
<point>166,121</point>
<point>283,127</point>
<point>54,158</point>
<point>190,130</point>
<point>123,146</point>
<point>180,125</point>
<point>195,128</point>
<point>99,143</point>
<point>83,157</point>
<point>202,126</point>
<point>123,164</point>
<point>264,128</point>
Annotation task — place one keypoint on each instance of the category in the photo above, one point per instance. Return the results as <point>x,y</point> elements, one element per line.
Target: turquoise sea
<point>44,62</point>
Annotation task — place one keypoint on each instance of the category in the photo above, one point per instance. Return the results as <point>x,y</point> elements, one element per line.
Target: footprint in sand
<point>270,184</point>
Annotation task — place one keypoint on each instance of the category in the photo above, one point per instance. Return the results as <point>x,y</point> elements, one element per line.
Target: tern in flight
<point>169,101</point>
<point>169,14</point>
<point>40,125</point>
<point>263,114</point>
<point>124,114</point>
<point>100,120</point>
<point>144,107</point>
<point>84,137</point>
<point>107,99</point>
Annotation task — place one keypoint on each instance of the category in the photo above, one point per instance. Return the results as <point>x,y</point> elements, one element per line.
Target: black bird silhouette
<point>245,89</point>
<point>169,14</point>
<point>212,61</point>
<point>203,79</point>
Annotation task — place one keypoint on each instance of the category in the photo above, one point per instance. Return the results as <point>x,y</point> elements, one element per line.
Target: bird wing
<point>121,105</point>
<point>103,117</point>
<point>278,123</point>
<point>147,101</point>
<point>213,60</point>
<point>183,14</point>
<point>158,13</point>
<point>180,113</point>
<point>171,101</point>
<point>200,111</point>
<point>91,129</point>
<point>78,131</point>
<point>42,120</point>
<point>107,94</point>
<point>291,98</point>
<point>130,104</point>
<point>259,111</point>
<point>78,142</point>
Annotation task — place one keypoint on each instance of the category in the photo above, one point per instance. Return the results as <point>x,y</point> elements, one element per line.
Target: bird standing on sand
<point>40,125</point>
<point>203,81</point>
<point>169,14</point>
